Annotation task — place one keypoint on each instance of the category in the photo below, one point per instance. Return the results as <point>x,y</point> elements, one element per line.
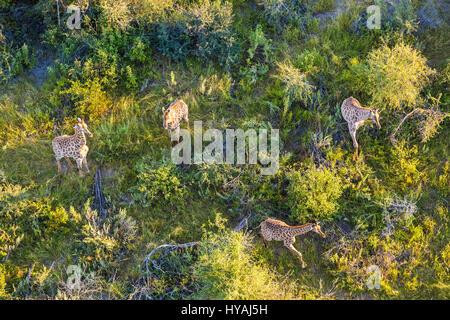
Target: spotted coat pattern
<point>172,117</point>
<point>272,229</point>
<point>72,147</point>
<point>356,115</point>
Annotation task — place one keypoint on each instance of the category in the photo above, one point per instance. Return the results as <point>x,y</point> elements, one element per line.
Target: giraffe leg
<point>291,247</point>
<point>85,164</point>
<point>79,165</point>
<point>169,131</point>
<point>352,130</point>
<point>264,240</point>
<point>69,162</point>
<point>355,154</point>
<point>177,132</point>
<point>58,162</point>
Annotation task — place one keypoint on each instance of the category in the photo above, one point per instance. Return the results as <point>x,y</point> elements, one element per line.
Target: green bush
<point>172,41</point>
<point>119,55</point>
<point>281,13</point>
<point>90,99</point>
<point>323,5</point>
<point>398,15</point>
<point>4,3</point>
<point>105,238</point>
<point>296,84</point>
<point>117,59</point>
<point>311,61</point>
<point>14,62</point>
<point>3,294</point>
<point>211,179</point>
<point>116,141</point>
<point>227,268</point>
<point>355,77</point>
<point>153,10</point>
<point>24,221</point>
<point>396,76</point>
<point>313,194</point>
<point>158,183</point>
<point>204,31</point>
<point>259,55</point>
<point>117,12</point>
<point>404,170</point>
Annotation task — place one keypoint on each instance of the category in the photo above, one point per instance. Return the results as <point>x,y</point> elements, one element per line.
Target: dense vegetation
<point>284,64</point>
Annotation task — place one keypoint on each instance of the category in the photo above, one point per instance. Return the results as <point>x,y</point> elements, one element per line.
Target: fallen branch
<point>428,126</point>
<point>392,138</point>
<point>143,284</point>
<point>243,223</point>
<point>100,203</point>
<point>169,248</point>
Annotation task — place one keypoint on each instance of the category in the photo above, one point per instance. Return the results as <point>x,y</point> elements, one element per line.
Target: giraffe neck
<point>363,114</point>
<point>80,138</point>
<point>296,231</point>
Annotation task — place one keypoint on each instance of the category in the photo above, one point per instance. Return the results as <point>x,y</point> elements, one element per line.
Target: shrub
<point>117,12</point>
<point>153,10</point>
<point>204,30</point>
<point>116,141</point>
<point>313,194</point>
<point>158,183</point>
<point>227,268</point>
<point>12,233</point>
<point>3,293</point>
<point>441,181</point>
<point>89,98</point>
<point>396,76</point>
<point>211,179</point>
<point>311,61</point>
<point>355,77</point>
<point>27,221</point>
<point>4,3</point>
<point>13,63</point>
<point>172,41</point>
<point>403,170</point>
<point>296,85</point>
<point>115,58</point>
<point>119,55</point>
<point>106,237</point>
<point>23,59</point>
<point>398,17</point>
<point>323,5</point>
<point>280,13</point>
<point>431,123</point>
<point>259,55</point>
<point>299,91</point>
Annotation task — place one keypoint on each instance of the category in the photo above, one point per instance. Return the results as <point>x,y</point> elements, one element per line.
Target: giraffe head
<point>316,229</point>
<point>165,118</point>
<point>82,127</point>
<point>375,117</point>
<point>168,122</point>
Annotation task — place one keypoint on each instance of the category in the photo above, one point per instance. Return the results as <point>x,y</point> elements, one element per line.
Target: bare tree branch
<point>169,247</point>
<point>392,138</point>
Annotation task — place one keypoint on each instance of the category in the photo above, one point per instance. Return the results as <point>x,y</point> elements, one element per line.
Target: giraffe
<point>172,117</point>
<point>355,115</point>
<point>272,229</point>
<point>73,146</point>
